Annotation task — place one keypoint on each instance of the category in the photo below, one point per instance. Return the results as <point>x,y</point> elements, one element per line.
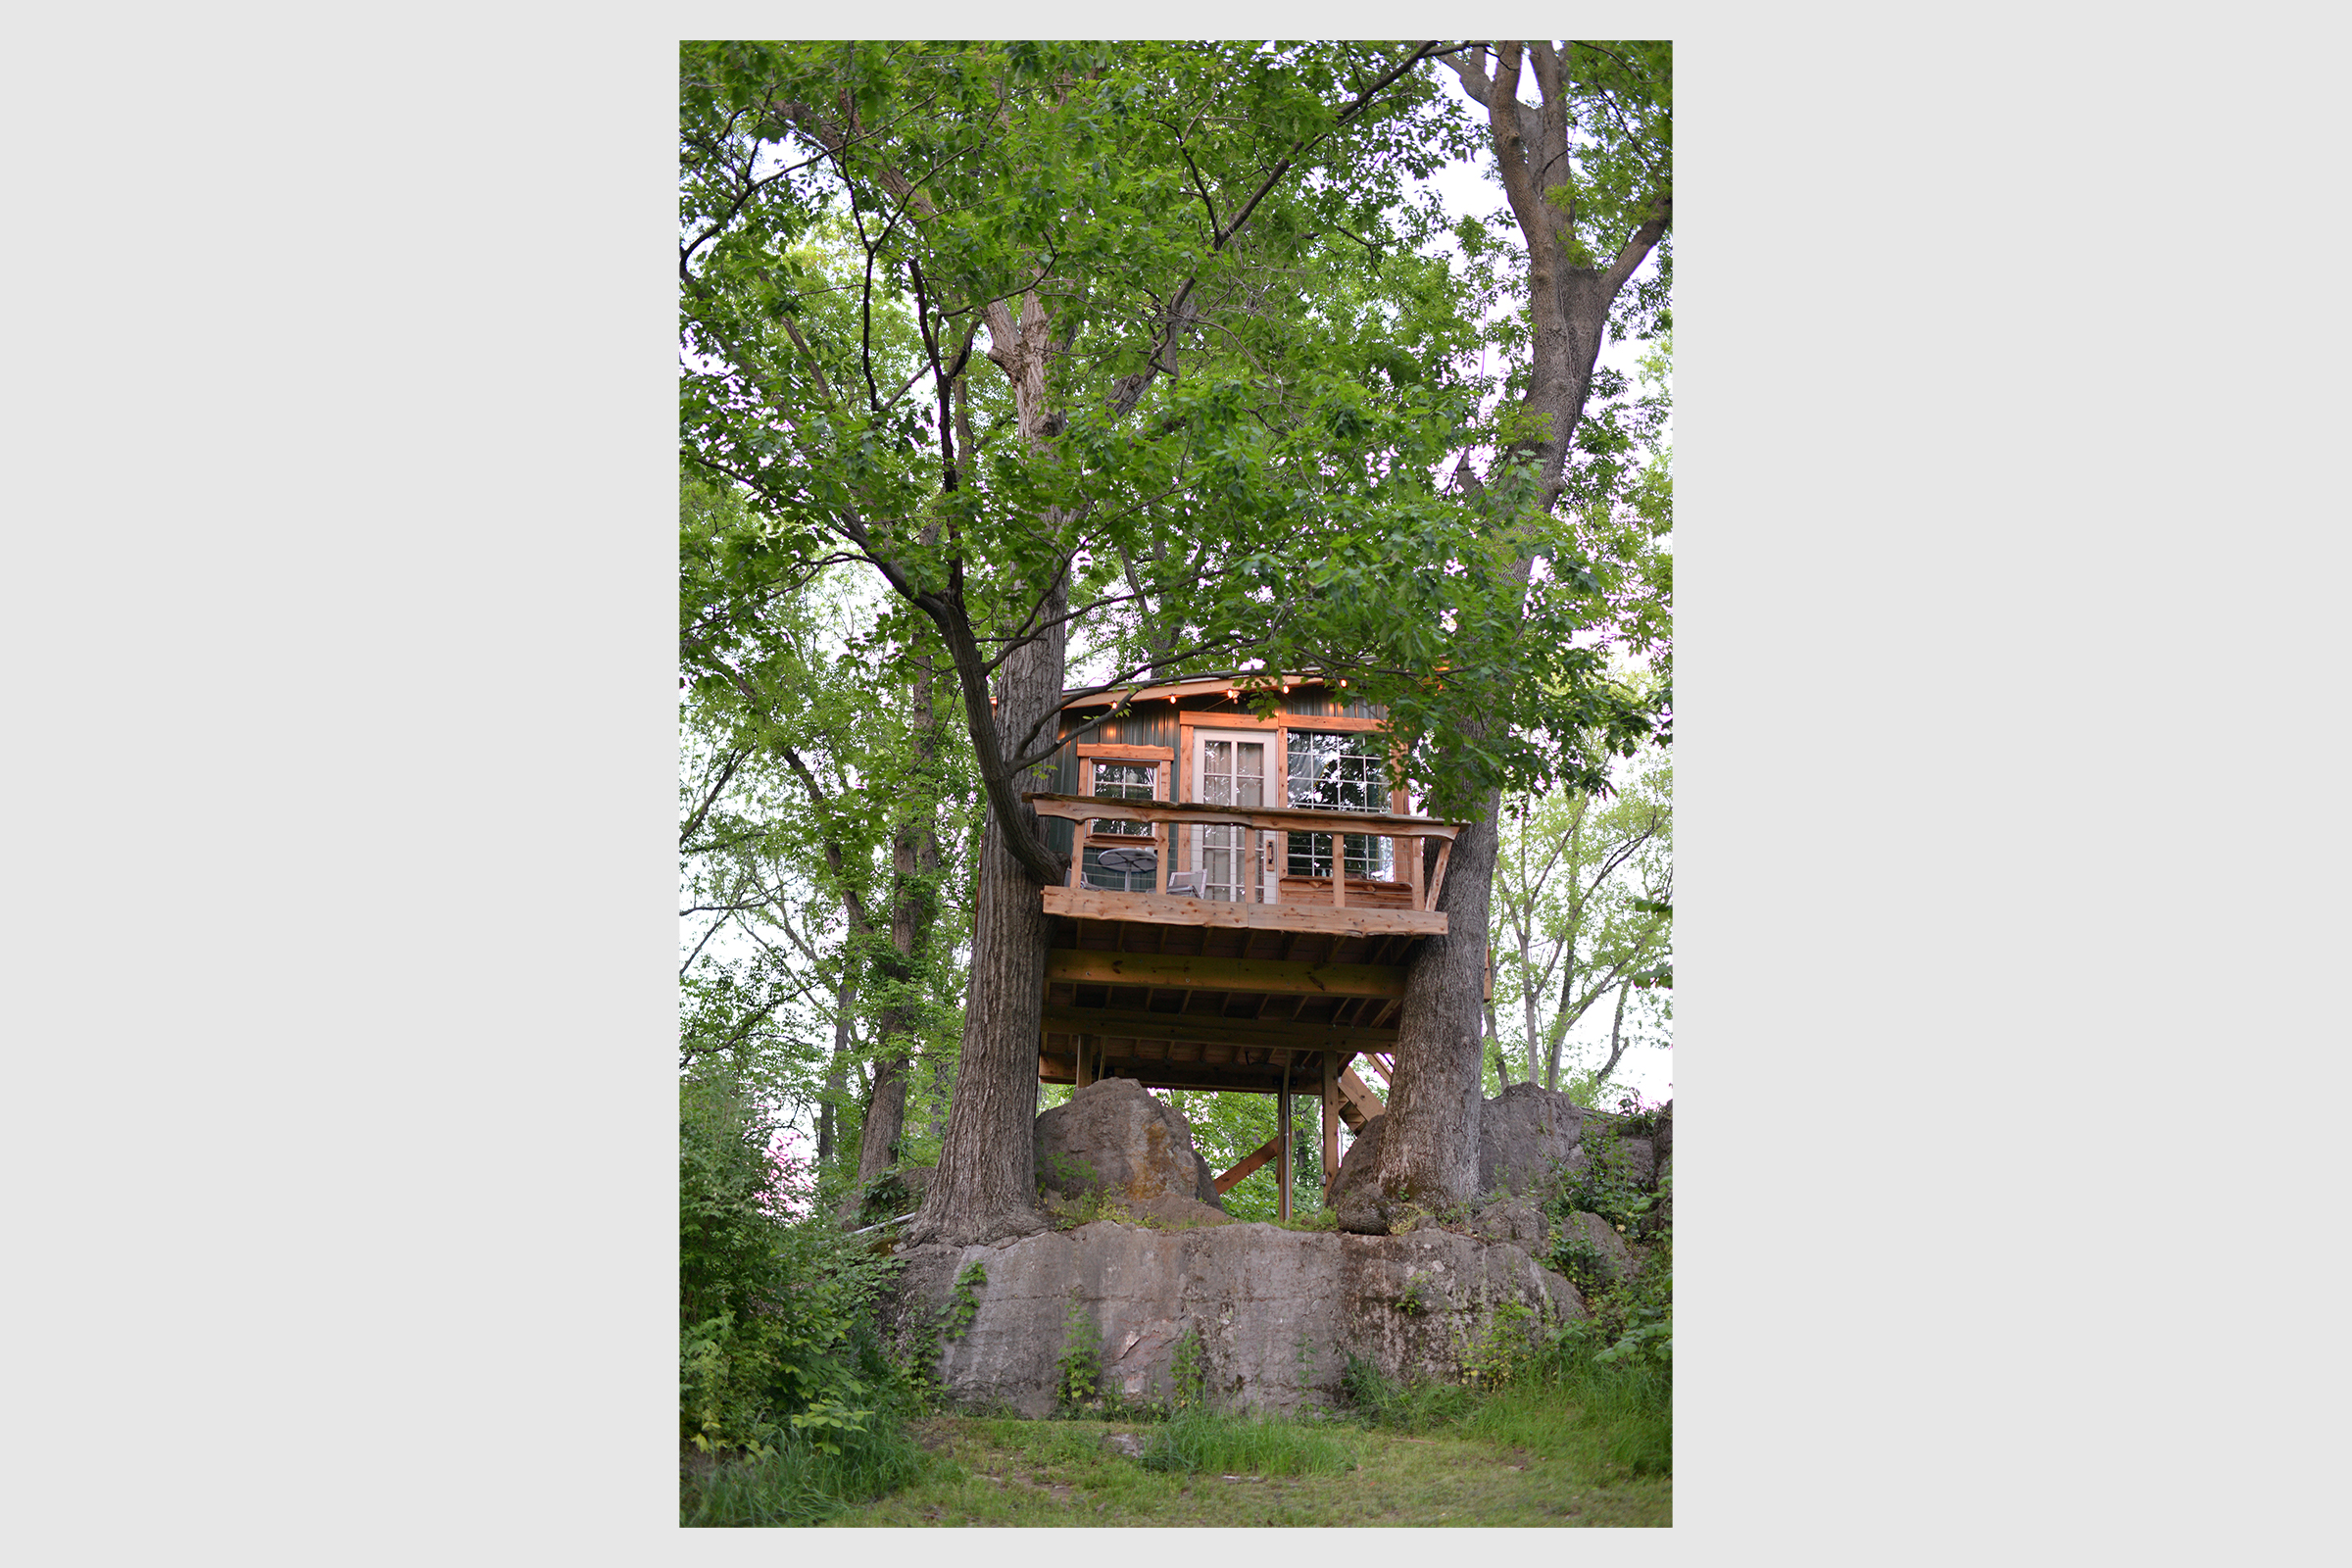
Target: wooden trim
<point>1189,972</point>
<point>1250,1162</point>
<point>1210,718</point>
<point>1356,920</point>
<point>1206,686</point>
<point>1128,1024</point>
<point>1273,819</point>
<point>1137,694</point>
<point>1125,753</point>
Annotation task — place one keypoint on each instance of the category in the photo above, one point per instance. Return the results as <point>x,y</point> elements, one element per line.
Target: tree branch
<point>734,760</point>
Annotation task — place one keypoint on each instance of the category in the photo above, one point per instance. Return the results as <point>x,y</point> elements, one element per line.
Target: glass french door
<point>1230,770</point>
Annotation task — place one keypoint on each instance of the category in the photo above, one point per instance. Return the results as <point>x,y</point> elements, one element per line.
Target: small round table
<point>1131,863</point>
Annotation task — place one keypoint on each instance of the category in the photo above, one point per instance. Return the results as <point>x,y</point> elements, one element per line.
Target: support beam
<point>1191,972</point>
<point>1250,1162</point>
<point>1282,1119</point>
<point>1359,1095</point>
<point>1156,908</point>
<point>1331,1122</point>
<point>1209,1029</point>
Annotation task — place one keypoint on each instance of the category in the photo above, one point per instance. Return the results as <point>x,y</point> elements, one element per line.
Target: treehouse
<point>1245,894</point>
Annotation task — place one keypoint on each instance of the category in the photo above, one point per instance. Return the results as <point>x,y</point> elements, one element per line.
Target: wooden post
<point>1282,1114</point>
<point>1331,1122</point>
<point>1413,871</point>
<point>1167,858</point>
<point>1078,1062</point>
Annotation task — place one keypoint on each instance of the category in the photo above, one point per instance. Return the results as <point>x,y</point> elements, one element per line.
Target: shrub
<point>1078,1370</point>
<point>776,1344</point>
<point>803,1482</point>
<point>1187,1372</point>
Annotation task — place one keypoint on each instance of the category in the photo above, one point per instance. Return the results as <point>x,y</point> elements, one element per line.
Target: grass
<point>1245,1444</point>
<point>800,1483</point>
<point>1535,1453</point>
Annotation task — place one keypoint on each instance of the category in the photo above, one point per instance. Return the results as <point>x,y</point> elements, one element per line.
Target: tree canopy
<point>1155,338</point>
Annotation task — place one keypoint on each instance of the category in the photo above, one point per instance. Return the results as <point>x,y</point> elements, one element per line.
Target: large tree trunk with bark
<point>1428,1157</point>
<point>986,1187</point>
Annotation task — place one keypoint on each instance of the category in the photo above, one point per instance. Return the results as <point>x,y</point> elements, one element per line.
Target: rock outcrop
<point>1112,1137</point>
<point>1278,1312</point>
<point>1528,1138</point>
<point>1611,1259</point>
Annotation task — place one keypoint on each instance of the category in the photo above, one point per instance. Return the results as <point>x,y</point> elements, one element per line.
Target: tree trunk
<point>1428,1154</point>
<point>1527,1005</point>
<point>1616,1025</point>
<point>987,1183</point>
<point>914,906</point>
<point>837,1076</point>
<point>1503,1060</point>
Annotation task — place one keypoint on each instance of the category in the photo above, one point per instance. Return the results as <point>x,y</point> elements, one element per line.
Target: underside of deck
<point>1191,994</point>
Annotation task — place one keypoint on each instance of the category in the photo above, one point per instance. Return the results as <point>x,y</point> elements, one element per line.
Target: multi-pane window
<point>1233,772</point>
<point>1126,781</point>
<point>1338,773</point>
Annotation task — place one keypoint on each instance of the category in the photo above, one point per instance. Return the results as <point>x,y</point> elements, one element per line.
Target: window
<point>1124,781</point>
<point>1338,773</point>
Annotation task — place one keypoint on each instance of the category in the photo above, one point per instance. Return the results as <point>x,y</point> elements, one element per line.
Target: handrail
<point>1273,819</point>
<point>1166,817</point>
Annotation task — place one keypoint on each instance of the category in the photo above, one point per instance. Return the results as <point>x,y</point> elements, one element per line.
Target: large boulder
<point>1351,1188</point>
<point>1513,1220</point>
<point>1277,1312</point>
<point>1112,1137</point>
<point>1527,1136</point>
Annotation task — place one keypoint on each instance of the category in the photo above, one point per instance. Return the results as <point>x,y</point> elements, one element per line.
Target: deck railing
<point>1166,817</point>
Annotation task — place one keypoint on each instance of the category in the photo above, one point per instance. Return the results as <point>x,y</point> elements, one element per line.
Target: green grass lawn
<point>981,1471</point>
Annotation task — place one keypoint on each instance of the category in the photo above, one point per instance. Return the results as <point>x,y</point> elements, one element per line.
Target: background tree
<point>806,767</point>
<point>1583,899</point>
<point>1587,174</point>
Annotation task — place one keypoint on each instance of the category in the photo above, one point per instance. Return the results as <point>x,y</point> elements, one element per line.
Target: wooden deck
<point>1276,998</point>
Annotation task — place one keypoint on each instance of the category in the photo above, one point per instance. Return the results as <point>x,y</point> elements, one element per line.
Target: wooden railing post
<point>1282,1119</point>
<point>1331,1121</point>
